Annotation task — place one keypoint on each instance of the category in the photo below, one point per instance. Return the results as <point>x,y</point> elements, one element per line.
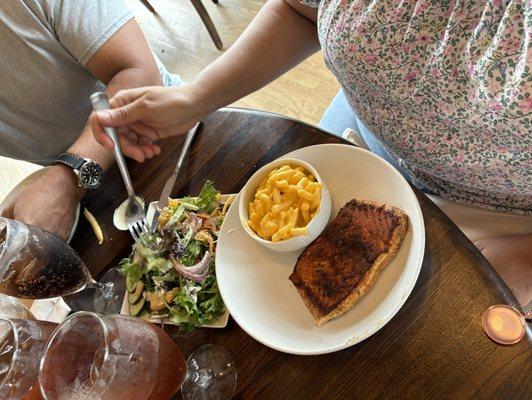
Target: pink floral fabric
<point>445,85</point>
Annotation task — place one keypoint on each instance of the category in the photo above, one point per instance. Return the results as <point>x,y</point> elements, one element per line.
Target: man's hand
<point>511,256</point>
<point>145,115</point>
<point>50,202</point>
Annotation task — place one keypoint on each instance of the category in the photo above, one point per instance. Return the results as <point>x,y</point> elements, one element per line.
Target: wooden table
<point>434,347</point>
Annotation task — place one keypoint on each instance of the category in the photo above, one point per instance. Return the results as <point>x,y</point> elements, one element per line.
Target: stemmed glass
<point>22,343</point>
<point>36,264</point>
<point>119,357</point>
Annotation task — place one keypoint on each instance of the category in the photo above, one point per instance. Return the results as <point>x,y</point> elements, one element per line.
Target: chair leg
<point>148,6</point>
<point>207,21</point>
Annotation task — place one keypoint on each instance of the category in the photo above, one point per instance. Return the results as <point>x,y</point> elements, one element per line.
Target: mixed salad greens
<point>171,274</point>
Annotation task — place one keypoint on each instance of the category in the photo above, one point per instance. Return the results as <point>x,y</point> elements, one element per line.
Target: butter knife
<point>169,185</point>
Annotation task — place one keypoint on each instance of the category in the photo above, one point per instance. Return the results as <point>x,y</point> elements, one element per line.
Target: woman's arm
<point>282,35</point>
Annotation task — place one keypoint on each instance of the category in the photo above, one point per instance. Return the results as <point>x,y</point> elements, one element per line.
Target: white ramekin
<point>316,224</point>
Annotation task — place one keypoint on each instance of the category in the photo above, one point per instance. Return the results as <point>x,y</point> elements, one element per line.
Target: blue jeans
<point>339,116</point>
<point>168,78</point>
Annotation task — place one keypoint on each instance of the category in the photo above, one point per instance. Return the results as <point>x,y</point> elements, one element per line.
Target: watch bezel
<point>84,184</point>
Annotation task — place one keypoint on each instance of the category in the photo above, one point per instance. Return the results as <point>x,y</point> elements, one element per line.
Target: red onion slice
<point>197,272</point>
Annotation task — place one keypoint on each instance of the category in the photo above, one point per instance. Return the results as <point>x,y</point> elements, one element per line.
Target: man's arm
<point>124,61</point>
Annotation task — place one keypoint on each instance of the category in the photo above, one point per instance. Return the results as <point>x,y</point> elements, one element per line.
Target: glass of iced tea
<point>22,343</point>
<point>112,357</point>
<point>36,264</point>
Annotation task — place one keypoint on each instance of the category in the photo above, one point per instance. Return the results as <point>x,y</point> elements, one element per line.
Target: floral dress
<point>445,85</point>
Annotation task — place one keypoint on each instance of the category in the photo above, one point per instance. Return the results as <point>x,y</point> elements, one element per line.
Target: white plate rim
<point>397,306</point>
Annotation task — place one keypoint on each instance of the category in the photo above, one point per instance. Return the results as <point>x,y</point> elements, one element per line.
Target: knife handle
<point>186,146</point>
<point>168,186</point>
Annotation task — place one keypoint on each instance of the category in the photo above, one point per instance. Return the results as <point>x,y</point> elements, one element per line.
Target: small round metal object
<point>503,324</point>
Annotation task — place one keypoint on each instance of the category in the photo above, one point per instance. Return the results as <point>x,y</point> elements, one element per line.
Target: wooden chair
<point>204,15</point>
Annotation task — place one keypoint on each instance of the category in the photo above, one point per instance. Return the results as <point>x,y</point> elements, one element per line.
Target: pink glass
<point>112,357</point>
<point>22,343</point>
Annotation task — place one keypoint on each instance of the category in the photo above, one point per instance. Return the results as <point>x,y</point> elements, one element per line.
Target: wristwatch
<point>89,173</point>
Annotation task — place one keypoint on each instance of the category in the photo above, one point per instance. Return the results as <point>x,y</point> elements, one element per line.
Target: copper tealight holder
<point>503,324</point>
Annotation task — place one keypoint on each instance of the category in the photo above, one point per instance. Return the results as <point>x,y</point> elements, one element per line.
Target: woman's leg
<point>339,116</point>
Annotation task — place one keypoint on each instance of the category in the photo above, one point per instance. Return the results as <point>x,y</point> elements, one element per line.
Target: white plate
<point>30,179</point>
<point>221,322</point>
<point>254,281</point>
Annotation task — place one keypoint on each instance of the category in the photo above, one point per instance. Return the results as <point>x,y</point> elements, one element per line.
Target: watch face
<point>90,175</point>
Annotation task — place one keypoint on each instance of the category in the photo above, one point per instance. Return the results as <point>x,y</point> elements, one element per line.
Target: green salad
<point>171,274</point>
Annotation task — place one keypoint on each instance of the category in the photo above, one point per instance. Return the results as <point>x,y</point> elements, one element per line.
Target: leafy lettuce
<point>194,303</point>
<point>207,199</point>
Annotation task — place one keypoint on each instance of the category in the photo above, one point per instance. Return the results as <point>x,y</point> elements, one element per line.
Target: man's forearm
<point>123,61</point>
<point>277,39</point>
<point>86,145</point>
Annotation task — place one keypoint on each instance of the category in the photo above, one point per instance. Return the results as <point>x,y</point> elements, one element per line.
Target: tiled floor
<point>179,38</point>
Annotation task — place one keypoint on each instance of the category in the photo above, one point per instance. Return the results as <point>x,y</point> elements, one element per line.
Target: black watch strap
<point>70,160</point>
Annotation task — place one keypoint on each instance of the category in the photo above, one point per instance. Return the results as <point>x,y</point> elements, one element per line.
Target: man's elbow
<point>151,76</point>
<point>135,76</point>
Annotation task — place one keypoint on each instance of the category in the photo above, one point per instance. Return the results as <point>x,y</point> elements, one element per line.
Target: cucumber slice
<point>136,309</point>
<point>130,284</point>
<point>137,294</point>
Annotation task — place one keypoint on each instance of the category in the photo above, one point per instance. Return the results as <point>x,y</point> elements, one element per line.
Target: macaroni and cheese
<point>284,203</point>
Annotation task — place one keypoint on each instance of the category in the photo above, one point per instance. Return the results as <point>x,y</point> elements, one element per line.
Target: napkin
<point>355,138</point>
<point>53,310</point>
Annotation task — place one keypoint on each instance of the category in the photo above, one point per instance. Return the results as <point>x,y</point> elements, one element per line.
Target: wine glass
<point>36,264</point>
<point>22,343</point>
<point>119,357</point>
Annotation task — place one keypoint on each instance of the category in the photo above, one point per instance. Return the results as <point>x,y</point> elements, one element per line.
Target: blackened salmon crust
<point>329,270</point>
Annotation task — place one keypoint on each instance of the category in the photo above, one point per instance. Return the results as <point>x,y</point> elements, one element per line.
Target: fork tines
<point>138,229</point>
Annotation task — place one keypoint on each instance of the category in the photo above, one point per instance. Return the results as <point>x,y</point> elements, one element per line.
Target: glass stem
<point>108,289</point>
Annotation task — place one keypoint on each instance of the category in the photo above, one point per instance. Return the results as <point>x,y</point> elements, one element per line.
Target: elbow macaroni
<point>285,202</point>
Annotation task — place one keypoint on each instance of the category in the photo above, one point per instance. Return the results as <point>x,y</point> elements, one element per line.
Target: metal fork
<point>135,214</point>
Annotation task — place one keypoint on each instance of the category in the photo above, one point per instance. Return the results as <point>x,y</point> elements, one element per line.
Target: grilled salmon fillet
<point>343,263</point>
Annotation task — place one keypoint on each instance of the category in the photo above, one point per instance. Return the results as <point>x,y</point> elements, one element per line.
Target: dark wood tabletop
<point>434,348</point>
